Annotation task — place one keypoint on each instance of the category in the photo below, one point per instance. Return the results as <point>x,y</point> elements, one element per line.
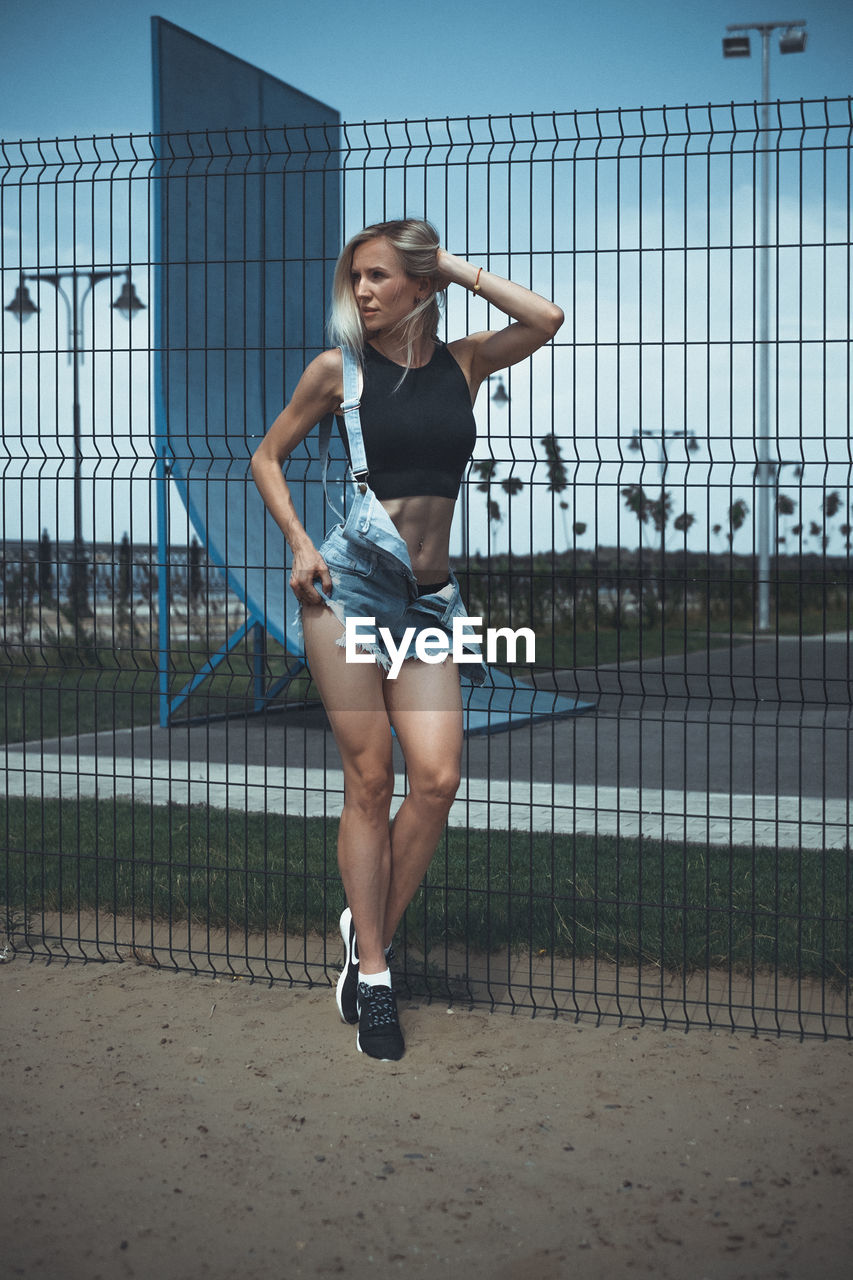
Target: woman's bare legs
<point>353,698</point>
<point>381,871</point>
<point>425,707</point>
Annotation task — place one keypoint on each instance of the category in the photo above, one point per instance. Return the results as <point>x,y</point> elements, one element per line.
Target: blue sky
<point>83,66</point>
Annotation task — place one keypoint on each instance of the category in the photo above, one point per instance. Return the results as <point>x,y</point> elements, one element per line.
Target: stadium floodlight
<point>791,40</point>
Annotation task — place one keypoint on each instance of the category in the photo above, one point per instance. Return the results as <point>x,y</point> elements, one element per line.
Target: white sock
<point>382,979</point>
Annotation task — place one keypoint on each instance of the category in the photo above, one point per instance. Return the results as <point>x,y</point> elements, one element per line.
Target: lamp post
<point>792,40</point>
<point>23,307</point>
<point>662,435</point>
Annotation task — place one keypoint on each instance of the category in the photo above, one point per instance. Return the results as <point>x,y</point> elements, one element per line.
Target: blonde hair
<point>415,242</point>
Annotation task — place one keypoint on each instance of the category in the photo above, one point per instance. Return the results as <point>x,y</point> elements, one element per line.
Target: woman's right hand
<point>308,566</point>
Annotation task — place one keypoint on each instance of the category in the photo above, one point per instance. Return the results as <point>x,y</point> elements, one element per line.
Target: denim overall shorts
<point>369,562</point>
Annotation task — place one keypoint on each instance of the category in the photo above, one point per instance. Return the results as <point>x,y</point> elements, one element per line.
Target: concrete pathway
<point>748,745</point>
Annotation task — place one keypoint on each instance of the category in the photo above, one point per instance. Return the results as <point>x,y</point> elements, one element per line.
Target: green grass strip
<point>681,906</point>
<point>55,693</point>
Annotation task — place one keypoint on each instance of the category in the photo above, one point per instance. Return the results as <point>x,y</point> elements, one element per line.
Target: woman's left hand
<point>535,319</point>
<point>443,261</point>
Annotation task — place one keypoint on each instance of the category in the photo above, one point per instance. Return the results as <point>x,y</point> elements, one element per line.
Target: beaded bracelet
<point>475,288</point>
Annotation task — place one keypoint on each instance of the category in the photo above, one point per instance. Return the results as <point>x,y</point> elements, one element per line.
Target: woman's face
<point>385,294</point>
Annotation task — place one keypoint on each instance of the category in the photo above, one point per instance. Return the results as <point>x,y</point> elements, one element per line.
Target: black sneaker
<point>346,992</point>
<point>379,1034</point>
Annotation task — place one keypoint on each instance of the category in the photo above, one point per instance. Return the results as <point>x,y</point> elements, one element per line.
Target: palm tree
<point>637,502</point>
<point>511,486</point>
<point>738,512</point>
<point>831,507</point>
<point>486,471</point>
<point>558,478</point>
<point>785,506</point>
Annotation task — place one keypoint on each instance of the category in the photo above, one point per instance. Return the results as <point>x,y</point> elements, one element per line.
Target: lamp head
<point>793,40</point>
<point>127,301</point>
<point>22,305</point>
<point>735,46</point>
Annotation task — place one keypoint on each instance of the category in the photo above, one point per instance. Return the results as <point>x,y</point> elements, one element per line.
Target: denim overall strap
<point>352,422</point>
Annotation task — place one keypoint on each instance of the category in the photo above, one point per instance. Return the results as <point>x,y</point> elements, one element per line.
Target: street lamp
<point>22,308</point>
<point>500,396</point>
<point>635,444</point>
<point>792,40</point>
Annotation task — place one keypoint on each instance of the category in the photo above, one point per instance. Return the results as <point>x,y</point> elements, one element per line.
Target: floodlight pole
<point>764,349</point>
<point>765,29</point>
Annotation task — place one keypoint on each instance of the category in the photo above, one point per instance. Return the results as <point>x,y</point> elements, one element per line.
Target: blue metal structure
<point>248,228</point>
<point>248,223</point>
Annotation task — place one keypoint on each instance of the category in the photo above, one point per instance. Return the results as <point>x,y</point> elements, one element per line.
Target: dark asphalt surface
<point>769,718</point>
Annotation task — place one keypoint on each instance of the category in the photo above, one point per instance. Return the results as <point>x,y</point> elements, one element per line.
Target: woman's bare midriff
<point>424,525</point>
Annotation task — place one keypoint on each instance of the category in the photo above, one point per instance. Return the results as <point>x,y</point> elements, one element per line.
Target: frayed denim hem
<point>372,649</point>
<point>375,650</point>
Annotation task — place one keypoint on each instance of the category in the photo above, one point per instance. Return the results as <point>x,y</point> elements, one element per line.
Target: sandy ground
<point>161,1125</point>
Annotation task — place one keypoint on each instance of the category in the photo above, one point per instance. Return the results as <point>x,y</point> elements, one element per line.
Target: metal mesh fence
<point>663,494</point>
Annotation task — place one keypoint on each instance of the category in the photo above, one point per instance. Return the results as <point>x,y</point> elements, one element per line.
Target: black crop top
<point>418,437</point>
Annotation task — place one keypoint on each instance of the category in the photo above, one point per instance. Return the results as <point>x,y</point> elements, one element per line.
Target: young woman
<point>390,562</point>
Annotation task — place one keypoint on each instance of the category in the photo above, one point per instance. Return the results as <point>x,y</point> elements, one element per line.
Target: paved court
<point>747,745</point>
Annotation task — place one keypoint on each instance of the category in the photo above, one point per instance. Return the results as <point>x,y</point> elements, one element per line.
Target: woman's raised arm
<point>535,319</point>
